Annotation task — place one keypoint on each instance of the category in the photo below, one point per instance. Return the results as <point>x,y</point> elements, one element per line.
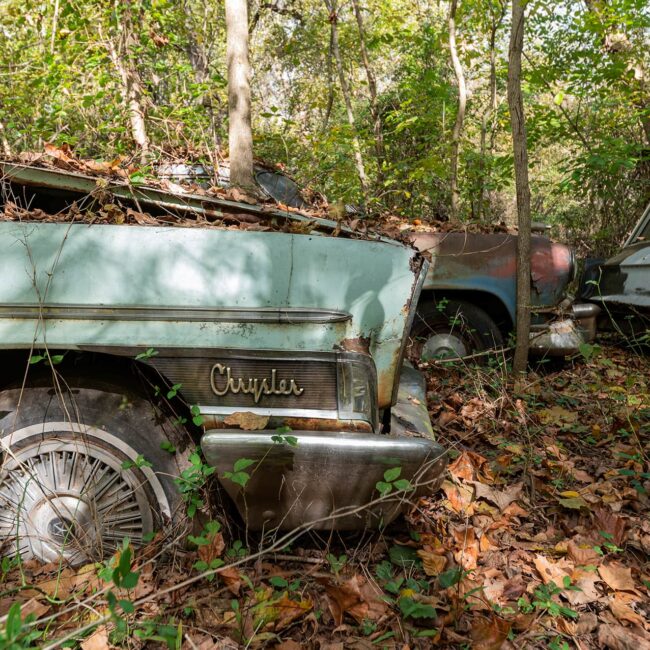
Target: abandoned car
<point>467,305</point>
<point>242,328</point>
<point>621,284</point>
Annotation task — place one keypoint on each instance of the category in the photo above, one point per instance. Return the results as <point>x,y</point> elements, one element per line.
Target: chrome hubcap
<point>443,346</point>
<point>66,497</point>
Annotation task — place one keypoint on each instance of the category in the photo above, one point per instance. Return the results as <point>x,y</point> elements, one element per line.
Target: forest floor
<point>539,538</point>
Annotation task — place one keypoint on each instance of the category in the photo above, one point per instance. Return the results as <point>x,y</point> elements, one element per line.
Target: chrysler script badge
<point>223,382</point>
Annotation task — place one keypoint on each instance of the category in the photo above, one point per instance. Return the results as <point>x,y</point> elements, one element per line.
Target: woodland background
<point>77,71</point>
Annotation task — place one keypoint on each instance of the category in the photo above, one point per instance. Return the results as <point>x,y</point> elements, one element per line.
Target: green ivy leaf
<point>391,474</point>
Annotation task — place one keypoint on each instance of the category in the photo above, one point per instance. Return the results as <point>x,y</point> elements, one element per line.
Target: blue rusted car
<point>240,328</point>
<point>467,305</point>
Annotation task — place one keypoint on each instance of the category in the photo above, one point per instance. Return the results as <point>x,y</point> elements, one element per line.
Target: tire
<point>452,329</point>
<point>72,481</point>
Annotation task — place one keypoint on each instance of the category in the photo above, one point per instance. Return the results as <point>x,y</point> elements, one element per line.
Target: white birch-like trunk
<point>240,135</point>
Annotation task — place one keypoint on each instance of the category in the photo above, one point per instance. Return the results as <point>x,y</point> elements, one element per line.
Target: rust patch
<point>296,424</point>
<point>319,424</point>
<point>359,344</point>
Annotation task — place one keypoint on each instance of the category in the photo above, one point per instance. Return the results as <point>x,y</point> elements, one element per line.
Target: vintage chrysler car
<point>277,348</point>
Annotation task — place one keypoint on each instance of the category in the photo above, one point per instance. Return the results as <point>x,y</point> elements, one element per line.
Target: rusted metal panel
<point>488,263</point>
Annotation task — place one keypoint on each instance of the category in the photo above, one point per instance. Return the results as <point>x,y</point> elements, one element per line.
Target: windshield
<point>281,188</point>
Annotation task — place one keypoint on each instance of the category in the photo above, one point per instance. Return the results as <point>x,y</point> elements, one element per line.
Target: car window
<point>281,188</point>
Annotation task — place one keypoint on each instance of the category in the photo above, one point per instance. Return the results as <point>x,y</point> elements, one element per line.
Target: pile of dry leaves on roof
<point>123,171</point>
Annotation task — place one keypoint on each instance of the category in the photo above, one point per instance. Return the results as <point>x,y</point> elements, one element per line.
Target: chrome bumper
<point>329,480</point>
<point>565,336</point>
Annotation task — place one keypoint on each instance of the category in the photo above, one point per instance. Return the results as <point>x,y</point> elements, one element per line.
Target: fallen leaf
<point>617,637</point>
<point>247,421</point>
<point>552,571</point>
<point>98,640</point>
<point>460,497</point>
<point>433,563</point>
<point>490,634</point>
<point>356,597</point>
<point>213,549</point>
<point>582,553</point>
<point>557,415</point>
<point>289,610</point>
<point>617,576</point>
<point>501,498</point>
<point>470,466</point>
<point>231,578</point>
<point>619,604</point>
<point>586,593</point>
<point>611,524</point>
<point>468,547</point>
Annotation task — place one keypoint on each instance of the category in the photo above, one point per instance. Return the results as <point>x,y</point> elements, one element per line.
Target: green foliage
<point>586,105</point>
<point>192,480</point>
<point>16,633</point>
<point>238,475</point>
<point>393,482</point>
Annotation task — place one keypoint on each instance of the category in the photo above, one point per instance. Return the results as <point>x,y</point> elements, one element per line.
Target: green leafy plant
<point>393,482</point>
<point>146,355</point>
<point>238,475</point>
<point>17,633</point>
<point>336,563</point>
<point>192,480</point>
<point>140,461</point>
<point>543,600</point>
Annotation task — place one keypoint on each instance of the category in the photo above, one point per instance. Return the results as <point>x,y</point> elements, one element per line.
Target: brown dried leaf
<point>356,597</point>
<point>231,578</point>
<point>290,610</point>
<point>98,640</point>
<point>553,571</point>
<point>619,603</point>
<point>470,466</point>
<point>247,421</point>
<point>460,497</point>
<point>617,576</point>
<point>433,563</point>
<point>213,549</point>
<point>501,498</point>
<point>617,637</point>
<point>490,634</point>
<point>468,547</point>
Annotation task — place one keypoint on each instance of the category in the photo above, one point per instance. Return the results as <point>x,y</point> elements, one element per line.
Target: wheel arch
<point>490,303</point>
<point>101,370</point>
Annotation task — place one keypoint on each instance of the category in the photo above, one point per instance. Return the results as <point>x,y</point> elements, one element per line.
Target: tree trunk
<point>345,90</point>
<point>460,115</point>
<point>380,151</point>
<point>518,125</point>
<point>240,135</point>
<point>120,51</point>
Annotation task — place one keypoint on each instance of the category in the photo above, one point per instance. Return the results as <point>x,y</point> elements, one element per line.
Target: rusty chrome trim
<point>279,412</point>
<point>287,315</point>
<point>415,300</point>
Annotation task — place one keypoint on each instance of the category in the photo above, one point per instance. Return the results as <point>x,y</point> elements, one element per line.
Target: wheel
<point>80,472</point>
<point>452,329</point>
